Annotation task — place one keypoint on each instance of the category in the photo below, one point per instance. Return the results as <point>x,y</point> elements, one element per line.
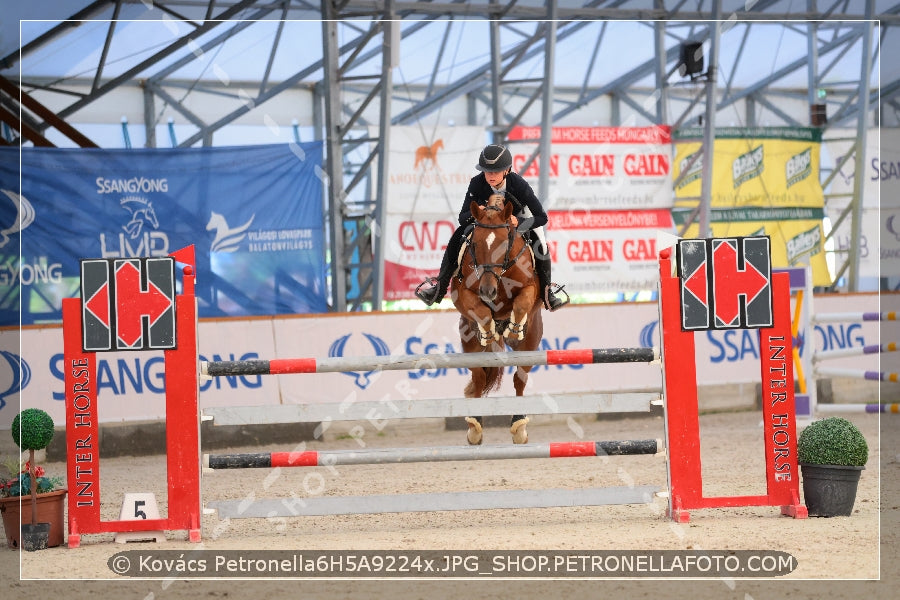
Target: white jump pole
<point>856,374</point>
<point>855,351</point>
<point>853,317</point>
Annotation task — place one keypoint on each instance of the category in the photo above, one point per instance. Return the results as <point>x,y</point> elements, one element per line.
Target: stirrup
<point>431,298</point>
<point>550,290</point>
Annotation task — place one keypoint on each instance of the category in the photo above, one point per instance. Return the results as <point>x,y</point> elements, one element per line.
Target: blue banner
<point>253,213</point>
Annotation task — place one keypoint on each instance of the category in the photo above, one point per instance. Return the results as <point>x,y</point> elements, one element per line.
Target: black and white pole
<point>372,456</point>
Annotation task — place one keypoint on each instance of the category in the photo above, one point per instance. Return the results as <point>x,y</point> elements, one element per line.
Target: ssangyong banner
<point>600,168</point>
<point>254,215</point>
<point>606,251</point>
<point>428,175</point>
<point>132,385</point>
<point>765,181</point>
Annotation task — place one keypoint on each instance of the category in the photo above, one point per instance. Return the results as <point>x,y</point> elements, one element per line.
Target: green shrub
<point>832,441</point>
<point>32,429</point>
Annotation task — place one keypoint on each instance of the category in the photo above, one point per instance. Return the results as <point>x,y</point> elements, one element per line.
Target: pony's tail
<point>492,380</point>
<point>493,376</point>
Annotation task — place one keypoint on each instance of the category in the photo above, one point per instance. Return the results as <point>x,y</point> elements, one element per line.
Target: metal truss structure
<point>355,99</point>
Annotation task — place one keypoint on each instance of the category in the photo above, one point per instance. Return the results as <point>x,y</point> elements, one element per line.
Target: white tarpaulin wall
<point>879,245</point>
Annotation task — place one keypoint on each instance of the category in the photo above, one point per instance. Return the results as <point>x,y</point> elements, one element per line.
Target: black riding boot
<point>433,290</point>
<point>542,265</point>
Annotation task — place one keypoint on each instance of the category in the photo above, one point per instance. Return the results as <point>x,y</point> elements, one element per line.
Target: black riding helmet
<point>494,159</point>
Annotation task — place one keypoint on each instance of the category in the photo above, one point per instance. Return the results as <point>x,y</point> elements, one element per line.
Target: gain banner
<point>610,191</point>
<point>600,168</point>
<point>254,215</point>
<point>765,181</point>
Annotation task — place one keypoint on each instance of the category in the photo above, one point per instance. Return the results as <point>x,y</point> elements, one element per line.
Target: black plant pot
<point>35,537</point>
<point>830,490</point>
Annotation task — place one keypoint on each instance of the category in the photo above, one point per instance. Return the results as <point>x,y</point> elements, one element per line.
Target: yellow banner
<point>765,181</point>
<point>794,243</point>
<point>772,167</point>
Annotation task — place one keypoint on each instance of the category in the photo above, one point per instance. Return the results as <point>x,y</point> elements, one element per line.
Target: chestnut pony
<point>496,293</point>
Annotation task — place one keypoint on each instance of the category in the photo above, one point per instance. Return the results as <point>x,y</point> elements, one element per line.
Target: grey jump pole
<point>405,362</point>
<point>374,456</point>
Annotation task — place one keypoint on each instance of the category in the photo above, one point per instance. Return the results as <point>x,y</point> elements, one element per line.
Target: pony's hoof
<point>474,435</point>
<point>518,431</point>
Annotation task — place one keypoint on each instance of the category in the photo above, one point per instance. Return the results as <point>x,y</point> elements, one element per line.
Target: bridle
<point>507,260</point>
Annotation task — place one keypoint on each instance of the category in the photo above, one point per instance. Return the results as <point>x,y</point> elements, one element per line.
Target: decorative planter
<point>830,490</point>
<point>35,537</point>
<point>50,509</point>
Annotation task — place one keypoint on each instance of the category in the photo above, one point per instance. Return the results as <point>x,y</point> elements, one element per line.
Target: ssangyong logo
<point>24,216</point>
<point>650,335</point>
<point>132,185</point>
<point>363,380</point>
<point>747,166</point>
<point>18,377</point>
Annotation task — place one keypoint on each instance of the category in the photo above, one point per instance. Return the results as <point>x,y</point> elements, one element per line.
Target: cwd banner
<point>428,175</point>
<point>765,181</point>
<point>254,215</point>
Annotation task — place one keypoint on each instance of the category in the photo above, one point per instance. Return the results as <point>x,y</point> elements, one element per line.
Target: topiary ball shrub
<point>832,441</point>
<point>32,429</point>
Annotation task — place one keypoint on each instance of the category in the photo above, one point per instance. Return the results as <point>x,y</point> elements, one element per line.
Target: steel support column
<point>334,156</point>
<point>547,104</point>
<point>709,131</point>
<point>389,56</point>
<point>865,75</point>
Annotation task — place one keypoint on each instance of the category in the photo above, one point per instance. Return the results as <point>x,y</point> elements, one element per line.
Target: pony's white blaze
<point>490,239</point>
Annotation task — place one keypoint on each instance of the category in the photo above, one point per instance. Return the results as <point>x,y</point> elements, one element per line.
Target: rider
<point>495,164</point>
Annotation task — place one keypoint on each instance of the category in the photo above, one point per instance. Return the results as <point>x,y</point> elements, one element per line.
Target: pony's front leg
<point>471,306</point>
<point>518,319</point>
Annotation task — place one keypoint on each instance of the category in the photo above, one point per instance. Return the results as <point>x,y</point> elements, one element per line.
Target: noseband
<point>507,261</point>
